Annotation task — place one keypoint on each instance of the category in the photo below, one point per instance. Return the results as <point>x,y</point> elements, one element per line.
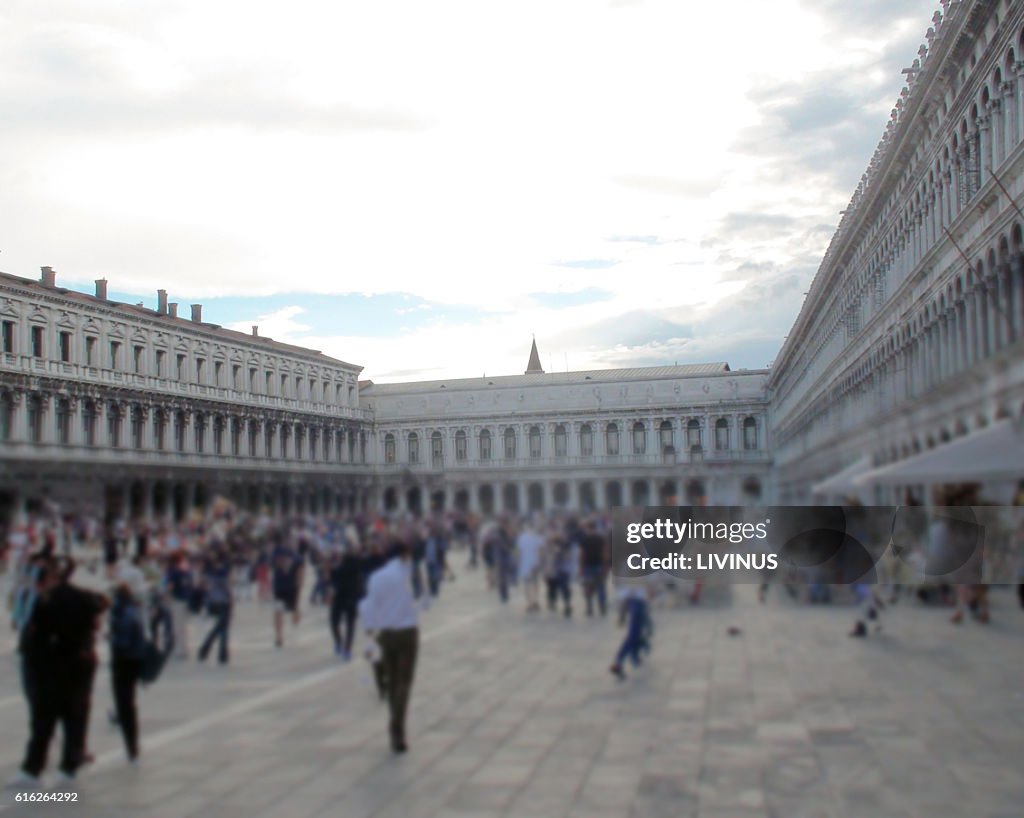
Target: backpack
<point>127,638</point>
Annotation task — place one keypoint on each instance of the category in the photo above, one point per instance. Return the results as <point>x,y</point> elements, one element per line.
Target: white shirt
<point>529,545</point>
<point>389,604</point>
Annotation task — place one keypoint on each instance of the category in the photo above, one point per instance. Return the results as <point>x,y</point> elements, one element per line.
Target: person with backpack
<point>127,653</point>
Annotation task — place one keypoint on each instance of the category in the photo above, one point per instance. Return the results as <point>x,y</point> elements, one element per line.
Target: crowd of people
<point>371,569</point>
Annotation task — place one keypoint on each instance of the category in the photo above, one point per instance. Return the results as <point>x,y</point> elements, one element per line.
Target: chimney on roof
<point>172,309</point>
<point>255,330</point>
<point>197,313</point>
<point>101,289</point>
<point>49,277</point>
<point>161,302</point>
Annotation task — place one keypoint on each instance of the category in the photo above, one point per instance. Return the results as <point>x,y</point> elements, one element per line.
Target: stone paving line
<point>516,716</point>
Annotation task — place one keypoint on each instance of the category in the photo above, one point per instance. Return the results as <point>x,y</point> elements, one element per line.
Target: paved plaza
<point>518,717</point>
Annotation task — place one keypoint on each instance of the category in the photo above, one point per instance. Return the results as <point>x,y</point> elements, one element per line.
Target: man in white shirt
<point>389,610</point>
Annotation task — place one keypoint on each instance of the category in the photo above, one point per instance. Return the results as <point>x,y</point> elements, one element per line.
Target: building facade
<point>143,413</point>
<point>911,334</point>
<point>588,440</point>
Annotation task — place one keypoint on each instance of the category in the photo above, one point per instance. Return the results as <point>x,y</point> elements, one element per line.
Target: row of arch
<point>492,498</point>
<point>94,422</point>
<point>559,443</point>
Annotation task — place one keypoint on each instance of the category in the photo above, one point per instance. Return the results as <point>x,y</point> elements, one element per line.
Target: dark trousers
<point>558,586</point>
<point>594,586</point>
<point>124,676</point>
<point>222,622</point>
<point>398,657</point>
<point>58,694</point>
<point>347,609</point>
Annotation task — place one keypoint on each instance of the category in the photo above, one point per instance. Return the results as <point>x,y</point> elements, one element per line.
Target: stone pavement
<point>518,717</point>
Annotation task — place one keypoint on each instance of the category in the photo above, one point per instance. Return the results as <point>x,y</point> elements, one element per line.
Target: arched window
<point>218,434</point>
<point>35,419</point>
<point>254,436</point>
<point>510,443</point>
<point>138,426</point>
<point>300,441</point>
<point>236,437</point>
<point>268,439</point>
<point>561,441</point>
<point>611,439</point>
<point>639,438</point>
<point>436,449</point>
<point>693,440</point>
<point>200,430</point>
<point>89,414</point>
<point>485,445</point>
<point>63,412</point>
<point>665,437</point>
<point>314,441</point>
<point>389,448</point>
<point>113,424</point>
<point>461,450</point>
<point>721,434</point>
<point>534,442</point>
<point>586,441</point>
<point>750,434</point>
<point>414,447</point>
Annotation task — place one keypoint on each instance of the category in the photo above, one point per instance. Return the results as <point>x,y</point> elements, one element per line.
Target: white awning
<point>993,453</point>
<point>843,482</point>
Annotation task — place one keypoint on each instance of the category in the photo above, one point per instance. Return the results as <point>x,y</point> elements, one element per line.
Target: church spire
<point>534,367</point>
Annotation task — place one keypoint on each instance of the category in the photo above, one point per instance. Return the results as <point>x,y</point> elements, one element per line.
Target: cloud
<point>687,188</point>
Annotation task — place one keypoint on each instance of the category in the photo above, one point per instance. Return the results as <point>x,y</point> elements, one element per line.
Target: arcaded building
<point>141,412</point>
<point>905,367</point>
<point>688,434</point>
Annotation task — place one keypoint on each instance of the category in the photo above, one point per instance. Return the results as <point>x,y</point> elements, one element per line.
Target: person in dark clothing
<point>594,560</point>
<point>127,649</point>
<point>345,590</point>
<point>59,656</point>
<point>287,566</point>
<point>217,584</point>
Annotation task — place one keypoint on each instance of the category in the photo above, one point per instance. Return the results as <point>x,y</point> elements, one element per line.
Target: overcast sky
<point>418,187</point>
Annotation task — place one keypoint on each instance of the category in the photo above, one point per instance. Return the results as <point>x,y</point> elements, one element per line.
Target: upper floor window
<point>693,434</point>
<point>218,368</point>
<point>8,336</point>
<point>639,438</point>
<point>114,424</point>
<point>137,360</point>
<point>63,409</point>
<point>389,448</point>
<point>414,448</point>
<point>586,440</point>
<point>611,440</point>
<point>510,443</point>
<point>460,445</point>
<point>485,445</point>
<point>115,354</point>
<point>561,441</point>
<point>37,342</point>
<point>721,434</point>
<point>90,350</point>
<point>200,368</point>
<point>138,427</point>
<point>64,345</point>
<point>750,434</point>
<point>180,372</point>
<point>89,415</point>
<point>161,363</point>
<point>534,442</point>
<point>436,449</point>
<point>665,437</point>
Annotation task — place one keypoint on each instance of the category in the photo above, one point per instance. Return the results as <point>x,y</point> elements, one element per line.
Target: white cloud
<point>455,150</point>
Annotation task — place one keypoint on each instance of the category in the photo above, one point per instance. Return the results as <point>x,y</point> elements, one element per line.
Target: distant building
<point>593,439</point>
